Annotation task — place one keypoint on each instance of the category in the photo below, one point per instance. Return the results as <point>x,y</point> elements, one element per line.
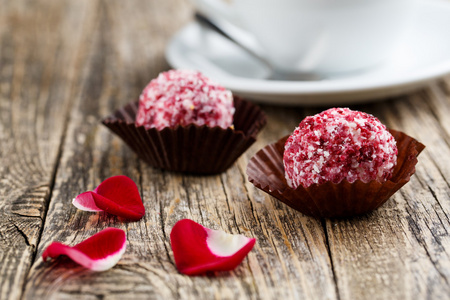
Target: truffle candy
<point>339,144</point>
<point>183,97</point>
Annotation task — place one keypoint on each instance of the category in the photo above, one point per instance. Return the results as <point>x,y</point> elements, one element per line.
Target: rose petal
<point>198,249</point>
<point>117,195</point>
<point>100,252</point>
<point>85,201</point>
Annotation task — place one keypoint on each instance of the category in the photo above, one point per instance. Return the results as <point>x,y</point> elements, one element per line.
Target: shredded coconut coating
<point>183,97</point>
<point>339,144</point>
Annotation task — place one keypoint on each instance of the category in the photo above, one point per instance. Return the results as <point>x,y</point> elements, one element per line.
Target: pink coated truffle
<point>183,97</point>
<point>339,144</point>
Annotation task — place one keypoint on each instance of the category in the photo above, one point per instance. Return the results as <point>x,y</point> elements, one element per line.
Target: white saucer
<point>423,56</point>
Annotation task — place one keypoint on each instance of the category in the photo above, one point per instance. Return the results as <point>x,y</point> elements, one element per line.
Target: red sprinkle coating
<point>182,97</point>
<point>339,144</point>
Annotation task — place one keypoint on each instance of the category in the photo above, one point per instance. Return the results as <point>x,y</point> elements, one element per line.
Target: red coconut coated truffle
<point>339,144</point>
<point>182,97</point>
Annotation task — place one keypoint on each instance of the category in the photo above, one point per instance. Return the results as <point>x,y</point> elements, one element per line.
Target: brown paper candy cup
<point>190,149</point>
<point>266,171</point>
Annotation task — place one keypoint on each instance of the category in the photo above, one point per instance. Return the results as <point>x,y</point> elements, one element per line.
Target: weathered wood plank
<point>101,57</point>
<point>286,261</point>
<point>36,63</point>
<point>401,251</point>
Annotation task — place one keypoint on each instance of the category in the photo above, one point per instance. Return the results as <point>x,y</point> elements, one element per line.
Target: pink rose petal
<point>198,249</point>
<point>85,201</point>
<point>117,195</point>
<point>100,252</point>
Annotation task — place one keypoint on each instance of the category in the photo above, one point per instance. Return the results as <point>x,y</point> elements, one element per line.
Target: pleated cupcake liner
<point>189,149</point>
<point>266,171</point>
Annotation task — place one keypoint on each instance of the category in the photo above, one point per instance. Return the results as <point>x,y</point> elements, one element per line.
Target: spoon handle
<point>207,22</point>
<point>276,74</point>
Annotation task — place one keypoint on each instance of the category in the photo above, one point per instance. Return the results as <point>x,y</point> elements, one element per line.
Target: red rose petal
<point>198,249</point>
<point>85,201</point>
<point>117,195</point>
<point>120,207</point>
<point>100,252</point>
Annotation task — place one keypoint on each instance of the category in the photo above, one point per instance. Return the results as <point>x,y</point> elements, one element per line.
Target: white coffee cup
<point>319,36</point>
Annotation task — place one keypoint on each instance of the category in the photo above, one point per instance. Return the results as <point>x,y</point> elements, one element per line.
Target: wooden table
<point>64,65</point>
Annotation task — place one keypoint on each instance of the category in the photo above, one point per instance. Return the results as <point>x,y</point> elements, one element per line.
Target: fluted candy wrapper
<point>190,149</point>
<point>265,170</point>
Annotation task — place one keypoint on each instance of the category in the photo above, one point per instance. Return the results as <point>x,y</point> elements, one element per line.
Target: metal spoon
<point>275,74</point>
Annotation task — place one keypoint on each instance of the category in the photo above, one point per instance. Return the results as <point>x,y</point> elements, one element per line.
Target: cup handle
<point>217,9</point>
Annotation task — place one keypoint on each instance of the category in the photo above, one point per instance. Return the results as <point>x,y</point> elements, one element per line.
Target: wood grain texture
<point>92,154</point>
<point>35,86</point>
<point>405,243</point>
<point>64,65</point>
